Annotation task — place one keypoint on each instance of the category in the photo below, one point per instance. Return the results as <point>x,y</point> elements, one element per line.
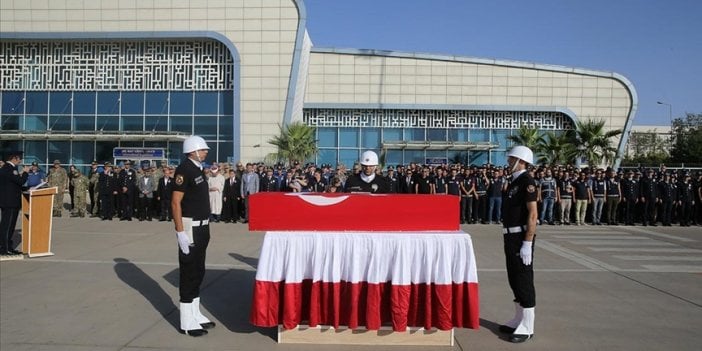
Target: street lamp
<point>670,111</point>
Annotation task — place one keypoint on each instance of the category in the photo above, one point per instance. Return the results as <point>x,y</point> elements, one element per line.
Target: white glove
<point>525,252</point>
<point>183,242</point>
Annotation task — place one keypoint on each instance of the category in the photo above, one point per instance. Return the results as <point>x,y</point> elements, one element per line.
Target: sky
<point>655,44</point>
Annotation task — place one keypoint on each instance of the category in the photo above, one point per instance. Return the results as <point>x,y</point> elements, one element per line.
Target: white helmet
<point>523,153</point>
<point>369,158</point>
<point>194,143</point>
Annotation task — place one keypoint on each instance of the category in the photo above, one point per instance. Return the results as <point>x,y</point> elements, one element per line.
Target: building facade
<point>79,78</point>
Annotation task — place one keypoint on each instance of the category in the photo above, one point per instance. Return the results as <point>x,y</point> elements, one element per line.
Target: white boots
<point>521,326</point>
<point>199,317</point>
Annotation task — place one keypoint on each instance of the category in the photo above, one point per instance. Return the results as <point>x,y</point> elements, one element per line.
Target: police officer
<point>649,198</point>
<point>599,195</point>
<point>393,181</point>
<point>614,196</point>
<point>519,228</point>
<point>107,189</point>
<point>191,211</point>
<point>453,187</point>
<point>630,196</point>
<point>11,182</point>
<point>128,181</point>
<point>547,196</point>
<point>367,181</point>
<point>686,200</point>
<point>668,197</point>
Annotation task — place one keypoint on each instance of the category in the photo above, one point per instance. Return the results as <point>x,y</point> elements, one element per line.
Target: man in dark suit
<point>11,182</point>
<point>231,196</point>
<point>165,191</point>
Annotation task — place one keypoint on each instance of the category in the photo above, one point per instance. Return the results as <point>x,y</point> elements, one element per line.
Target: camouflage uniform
<point>80,190</point>
<point>94,178</point>
<point>57,177</point>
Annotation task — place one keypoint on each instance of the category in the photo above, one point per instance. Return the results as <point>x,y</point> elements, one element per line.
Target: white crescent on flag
<point>319,200</point>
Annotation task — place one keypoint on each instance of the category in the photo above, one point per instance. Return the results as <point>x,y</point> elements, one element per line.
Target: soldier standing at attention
<point>80,192</point>
<point>649,197</point>
<point>94,177</point>
<point>614,196</point>
<point>57,177</point>
<point>191,210</point>
<point>668,196</point>
<point>127,179</point>
<point>630,197</point>
<point>519,229</point>
<point>107,188</point>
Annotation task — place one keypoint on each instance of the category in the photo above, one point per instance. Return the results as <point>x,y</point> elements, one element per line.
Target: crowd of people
<point>567,195</point>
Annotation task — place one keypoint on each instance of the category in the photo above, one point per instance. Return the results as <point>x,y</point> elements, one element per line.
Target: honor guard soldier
<point>11,181</point>
<point>191,211</point>
<point>630,196</point>
<point>519,229</point>
<point>614,196</point>
<point>367,181</point>
<point>649,198</point>
<point>668,197</point>
<point>128,181</point>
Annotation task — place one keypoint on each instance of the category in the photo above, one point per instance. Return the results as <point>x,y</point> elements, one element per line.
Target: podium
<point>37,221</point>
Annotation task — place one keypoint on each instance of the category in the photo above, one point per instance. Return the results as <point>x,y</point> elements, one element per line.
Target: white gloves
<point>183,242</point>
<point>525,252</point>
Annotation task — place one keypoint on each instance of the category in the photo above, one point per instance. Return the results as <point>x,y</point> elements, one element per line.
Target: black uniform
<point>424,185</point>
<point>231,196</point>
<point>393,184</point>
<point>10,202</point>
<point>649,195</point>
<point>127,180</point>
<point>107,185</point>
<point>165,194</point>
<point>687,197</point>
<point>669,195</point>
<point>613,198</point>
<point>480,204</point>
<point>195,205</point>
<point>379,185</point>
<point>515,218</point>
<point>630,192</point>
<point>269,184</point>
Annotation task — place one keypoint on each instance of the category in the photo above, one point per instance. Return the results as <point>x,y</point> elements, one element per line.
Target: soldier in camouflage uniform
<point>80,191</point>
<point>57,177</point>
<point>94,190</point>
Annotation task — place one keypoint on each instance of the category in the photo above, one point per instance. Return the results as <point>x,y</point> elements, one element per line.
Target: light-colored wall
<point>263,31</point>
<point>373,79</point>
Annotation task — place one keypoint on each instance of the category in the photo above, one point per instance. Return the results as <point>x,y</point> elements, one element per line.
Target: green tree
<point>593,143</point>
<point>558,148</point>
<point>296,142</point>
<point>529,137</point>
<point>687,139</point>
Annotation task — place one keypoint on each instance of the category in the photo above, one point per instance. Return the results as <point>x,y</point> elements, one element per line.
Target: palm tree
<point>593,143</point>
<point>529,137</point>
<point>558,148</point>
<point>296,142</point>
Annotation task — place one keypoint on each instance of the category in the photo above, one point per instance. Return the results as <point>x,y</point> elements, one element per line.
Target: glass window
<point>226,127</point>
<point>414,134</point>
<point>59,150</point>
<point>438,155</point>
<point>498,158</point>
<point>84,103</point>
<point>108,102</point>
<point>107,123</point>
<point>175,152</point>
<point>131,144</point>
<point>436,134</point>
<point>479,135</point>
<point>82,152</point>
<point>348,157</point>
<point>206,102</point>
<point>132,123</point>
<point>370,138</point>
<point>326,137</point>
<point>499,136</point>
<point>455,156</point>
<point>10,145</point>
<point>12,102</point>
<point>103,150</point>
<point>326,156</point>
<point>37,102</point>
<point>226,103</point>
<point>60,103</point>
<point>132,103</point>
<point>157,102</point>
<point>156,123</point>
<point>206,126</point>
<point>182,124</point>
<point>414,156</point>
<point>35,151</point>
<point>181,103</point>
<point>10,122</point>
<point>32,122</point>
<point>478,157</point>
<point>348,137</point>
<point>59,122</point>
<point>84,123</point>
<point>458,135</point>
<point>226,150</point>
<point>392,134</point>
<point>393,158</point>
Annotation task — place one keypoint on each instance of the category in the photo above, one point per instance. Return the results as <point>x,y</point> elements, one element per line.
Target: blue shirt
<point>34,178</point>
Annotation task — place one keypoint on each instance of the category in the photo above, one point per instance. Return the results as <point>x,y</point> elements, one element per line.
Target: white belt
<point>201,223</point>
<point>514,230</point>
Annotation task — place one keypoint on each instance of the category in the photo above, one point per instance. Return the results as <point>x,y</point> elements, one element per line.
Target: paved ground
<point>112,286</point>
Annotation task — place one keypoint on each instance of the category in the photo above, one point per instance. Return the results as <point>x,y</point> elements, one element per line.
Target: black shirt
<point>514,202</point>
<point>424,185</point>
<point>190,180</point>
<point>379,185</point>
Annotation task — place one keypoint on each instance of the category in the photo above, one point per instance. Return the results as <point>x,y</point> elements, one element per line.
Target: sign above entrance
<point>138,153</point>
